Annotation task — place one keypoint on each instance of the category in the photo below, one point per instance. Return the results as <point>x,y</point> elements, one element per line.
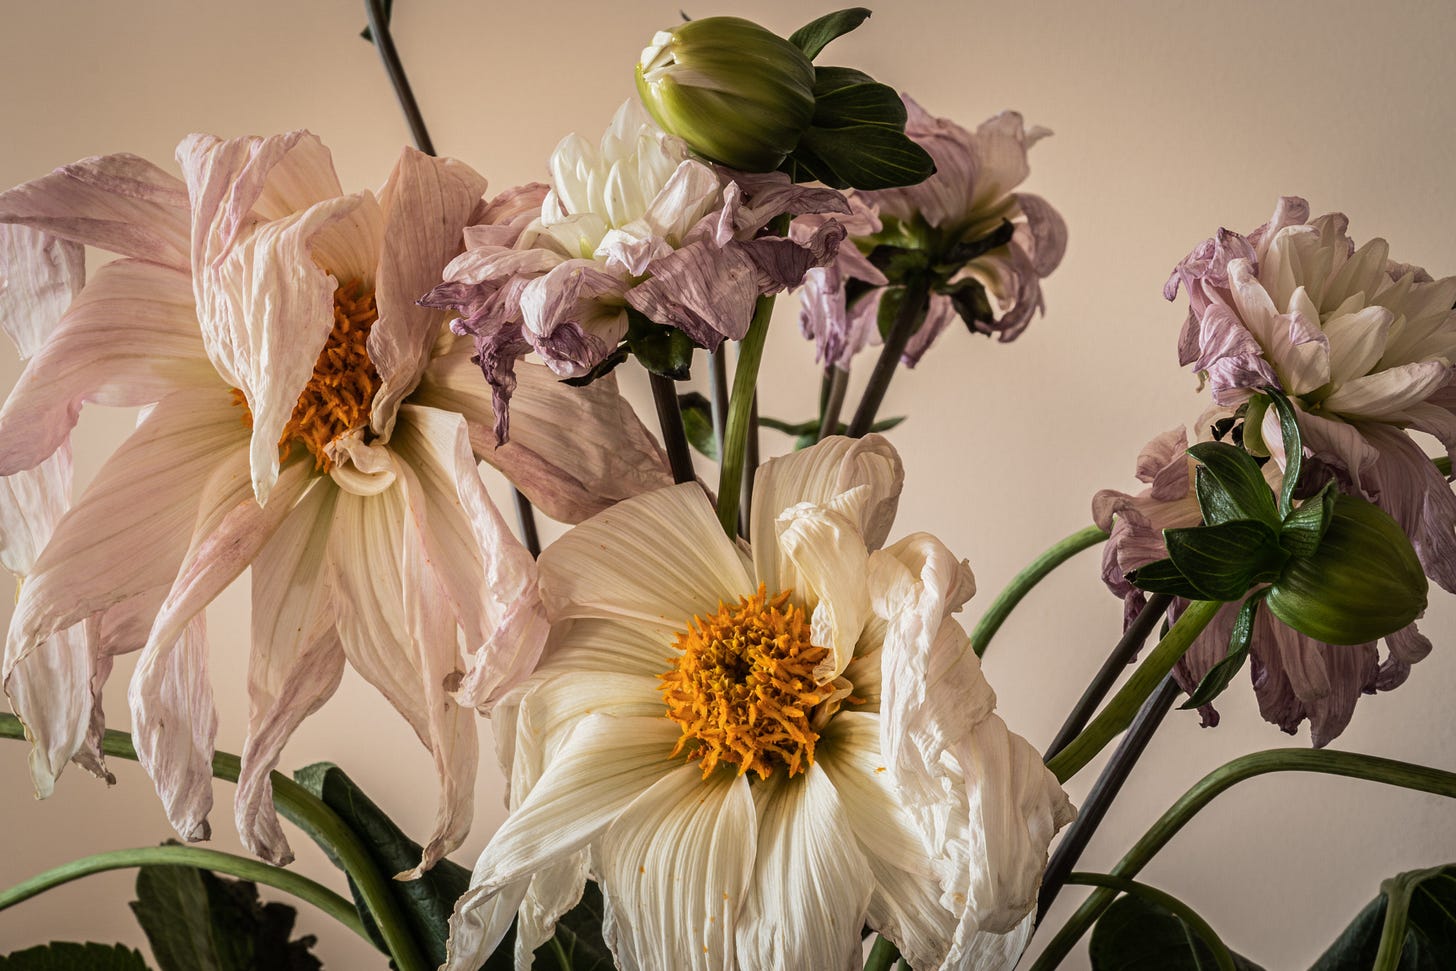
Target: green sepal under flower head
<point>735,92</point>
<point>1362,582</point>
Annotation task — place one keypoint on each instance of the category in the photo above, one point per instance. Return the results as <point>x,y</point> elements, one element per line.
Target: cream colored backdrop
<point>1171,119</point>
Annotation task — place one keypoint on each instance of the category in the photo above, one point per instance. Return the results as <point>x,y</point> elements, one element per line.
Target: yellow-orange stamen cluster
<point>744,689</point>
<point>338,395</point>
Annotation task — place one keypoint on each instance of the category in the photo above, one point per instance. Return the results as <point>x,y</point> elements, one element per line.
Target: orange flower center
<point>743,689</point>
<point>338,395</point>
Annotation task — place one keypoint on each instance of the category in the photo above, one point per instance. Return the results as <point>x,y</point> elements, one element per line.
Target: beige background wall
<point>1170,119</point>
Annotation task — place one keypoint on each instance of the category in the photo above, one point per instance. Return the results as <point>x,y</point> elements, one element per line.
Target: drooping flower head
<point>308,419</point>
<point>1362,345</point>
<point>757,751</point>
<point>633,224</point>
<point>1294,676</point>
<point>983,246</point>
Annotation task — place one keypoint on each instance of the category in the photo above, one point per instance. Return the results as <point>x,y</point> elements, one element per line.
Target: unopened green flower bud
<point>733,91</point>
<point>1362,583</point>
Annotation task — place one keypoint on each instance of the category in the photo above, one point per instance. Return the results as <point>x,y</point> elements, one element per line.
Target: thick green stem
<point>1120,711</point>
<point>242,867</point>
<point>316,819</point>
<point>883,955</point>
<point>740,413</point>
<point>1168,902</point>
<point>1033,574</point>
<point>914,303</point>
<point>1349,764</point>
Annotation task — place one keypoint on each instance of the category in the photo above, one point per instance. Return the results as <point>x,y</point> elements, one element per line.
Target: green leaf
<point>1136,934</point>
<point>1305,527</point>
<point>580,935</point>
<point>811,427</point>
<point>199,922</point>
<point>863,157</point>
<point>955,258</point>
<point>1221,675</point>
<point>697,417</point>
<point>1230,486</point>
<point>838,104</point>
<point>426,902</point>
<point>1293,448</point>
<point>814,36</point>
<point>65,956</point>
<point>661,349</point>
<point>1225,560</point>
<point>1428,900</point>
<point>1162,576</point>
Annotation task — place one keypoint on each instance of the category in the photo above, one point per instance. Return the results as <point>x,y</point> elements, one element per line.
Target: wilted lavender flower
<point>985,246</point>
<point>1362,345</point>
<point>632,224</point>
<point>1294,676</point>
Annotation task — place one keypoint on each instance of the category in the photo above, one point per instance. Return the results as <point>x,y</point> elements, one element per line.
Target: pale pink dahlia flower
<point>970,196</point>
<point>634,223</point>
<point>303,416</point>
<point>1363,346</point>
<point>757,750</point>
<point>1294,676</point>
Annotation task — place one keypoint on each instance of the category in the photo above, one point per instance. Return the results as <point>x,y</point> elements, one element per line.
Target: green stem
<point>1120,711</point>
<point>740,411</point>
<point>1349,764</point>
<point>1168,902</point>
<point>883,955</point>
<point>242,867</point>
<point>319,822</point>
<point>1034,573</point>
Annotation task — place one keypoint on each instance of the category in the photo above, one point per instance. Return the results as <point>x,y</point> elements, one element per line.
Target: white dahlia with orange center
<point>758,750</point>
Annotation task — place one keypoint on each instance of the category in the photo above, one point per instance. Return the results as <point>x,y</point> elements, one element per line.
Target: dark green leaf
<point>814,36</point>
<point>1136,934</point>
<point>199,922</point>
<point>1305,527</point>
<point>580,934</point>
<point>828,80</point>
<point>971,304</point>
<point>426,902</point>
<point>1162,576</point>
<point>840,105</point>
<point>1225,560</point>
<point>1221,675</point>
<point>1293,448</point>
<point>966,250</point>
<point>661,349</point>
<point>606,366</point>
<point>1230,486</point>
<point>1430,936</point>
<point>863,157</point>
<point>697,417</point>
<point>811,427</point>
<point>65,956</point>
<point>366,33</point>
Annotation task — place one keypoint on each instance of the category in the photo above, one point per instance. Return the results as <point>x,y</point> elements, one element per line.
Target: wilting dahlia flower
<point>304,417</point>
<point>951,218</point>
<point>1362,345</point>
<point>1295,677</point>
<point>634,222</point>
<point>759,750</point>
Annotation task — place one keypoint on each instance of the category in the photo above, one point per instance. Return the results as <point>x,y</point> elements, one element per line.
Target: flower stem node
<point>735,92</point>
